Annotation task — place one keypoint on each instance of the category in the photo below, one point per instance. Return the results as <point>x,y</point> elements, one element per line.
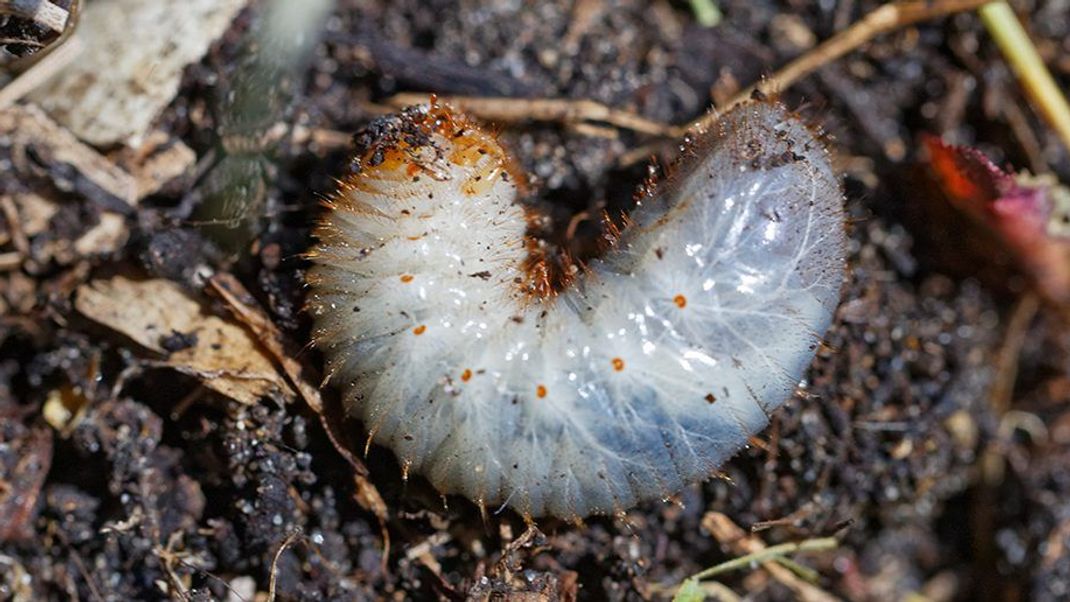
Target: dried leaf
<point>135,52</point>
<point>222,354</point>
<point>246,309</point>
<point>1029,215</point>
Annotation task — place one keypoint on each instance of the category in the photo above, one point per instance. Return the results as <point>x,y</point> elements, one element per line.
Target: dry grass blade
<point>1018,49</point>
<point>273,580</point>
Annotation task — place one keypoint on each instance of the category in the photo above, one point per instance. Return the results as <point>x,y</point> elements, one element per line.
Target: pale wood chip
<point>223,355</point>
<point>131,68</point>
<point>29,126</point>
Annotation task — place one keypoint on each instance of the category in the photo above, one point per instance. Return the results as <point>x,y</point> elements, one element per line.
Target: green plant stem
<point>805,573</point>
<point>706,12</point>
<point>770,553</point>
<point>1025,61</point>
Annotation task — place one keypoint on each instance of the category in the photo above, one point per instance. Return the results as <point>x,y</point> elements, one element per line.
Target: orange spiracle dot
<point>407,278</point>
<point>540,391</point>
<point>680,301</point>
<point>618,364</point>
<point>419,330</point>
<point>466,375</point>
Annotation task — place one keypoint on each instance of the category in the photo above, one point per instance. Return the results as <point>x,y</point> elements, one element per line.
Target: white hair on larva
<point>600,387</point>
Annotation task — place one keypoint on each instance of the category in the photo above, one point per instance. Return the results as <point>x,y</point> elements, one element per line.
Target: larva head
<point>430,140</point>
<point>427,158</point>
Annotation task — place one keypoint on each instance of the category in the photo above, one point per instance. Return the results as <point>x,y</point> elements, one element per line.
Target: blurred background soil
<point>932,437</point>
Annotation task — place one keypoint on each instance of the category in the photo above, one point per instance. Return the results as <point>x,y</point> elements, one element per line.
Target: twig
<point>41,12</point>
<point>168,557</point>
<point>585,14</point>
<point>1025,61</point>
<point>42,71</point>
<point>10,214</point>
<point>1014,339</point>
<point>23,42</point>
<point>557,110</point>
<point>273,579</point>
<point>1015,116</point>
<point>91,584</point>
<point>887,17</point>
<point>992,462</point>
<point>244,307</point>
<point>804,572</point>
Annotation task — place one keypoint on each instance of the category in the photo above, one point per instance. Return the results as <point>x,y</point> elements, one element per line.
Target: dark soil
<point>894,446</point>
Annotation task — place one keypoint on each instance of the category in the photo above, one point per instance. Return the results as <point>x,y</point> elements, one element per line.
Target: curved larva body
<point>648,370</point>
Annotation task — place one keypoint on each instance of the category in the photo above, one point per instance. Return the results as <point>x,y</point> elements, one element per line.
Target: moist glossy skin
<point>648,370</point>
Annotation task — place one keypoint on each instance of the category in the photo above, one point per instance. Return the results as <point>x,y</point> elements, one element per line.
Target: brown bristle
<point>610,232</point>
<point>547,270</point>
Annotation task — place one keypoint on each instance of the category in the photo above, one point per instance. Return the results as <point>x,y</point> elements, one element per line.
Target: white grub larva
<point>571,392</point>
